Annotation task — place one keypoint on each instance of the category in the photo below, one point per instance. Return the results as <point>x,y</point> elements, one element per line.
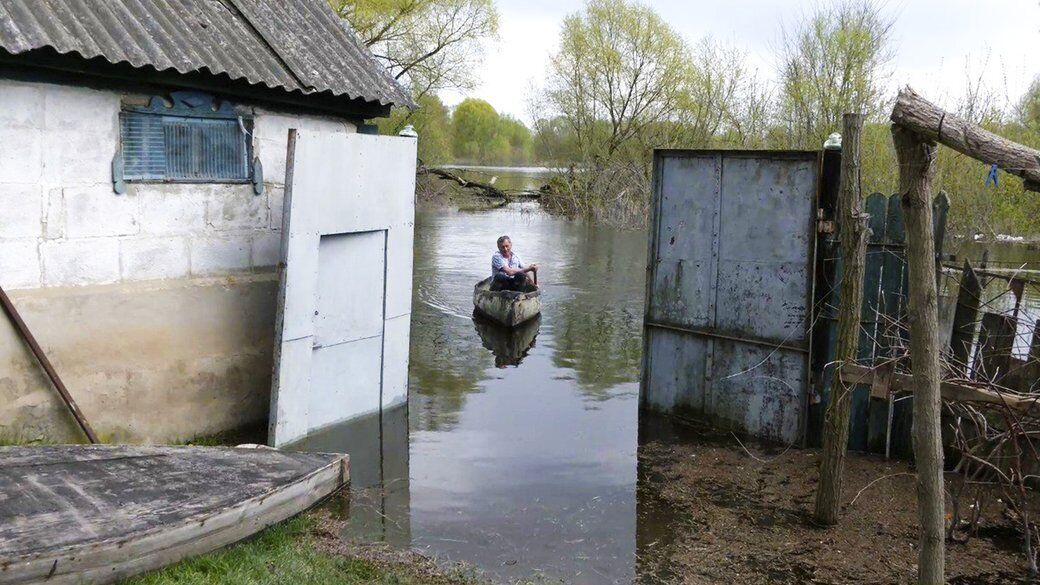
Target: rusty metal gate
<point>729,288</point>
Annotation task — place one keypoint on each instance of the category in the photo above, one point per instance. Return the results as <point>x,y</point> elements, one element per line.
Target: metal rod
<point>716,335</point>
<point>27,335</point>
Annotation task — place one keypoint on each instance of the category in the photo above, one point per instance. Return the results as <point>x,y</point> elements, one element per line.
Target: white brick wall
<point>62,225</point>
<point>219,255</point>
<point>154,258</point>
<point>80,262</point>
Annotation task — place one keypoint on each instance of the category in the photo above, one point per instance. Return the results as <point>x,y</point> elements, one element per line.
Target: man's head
<point>505,245</point>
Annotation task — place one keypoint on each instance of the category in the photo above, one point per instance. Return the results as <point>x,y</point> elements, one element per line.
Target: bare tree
<point>837,60</point>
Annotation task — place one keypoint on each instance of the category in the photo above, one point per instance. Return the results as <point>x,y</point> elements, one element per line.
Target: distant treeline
<point>472,132</point>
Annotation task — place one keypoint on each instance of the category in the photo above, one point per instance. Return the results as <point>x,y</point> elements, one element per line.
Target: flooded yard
<point>518,454</point>
<point>522,453</point>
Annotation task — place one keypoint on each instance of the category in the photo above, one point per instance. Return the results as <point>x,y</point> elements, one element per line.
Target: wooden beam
<point>931,122</point>
<point>957,392</point>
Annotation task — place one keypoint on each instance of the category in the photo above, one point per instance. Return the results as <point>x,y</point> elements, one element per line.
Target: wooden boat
<point>99,514</point>
<point>507,307</point>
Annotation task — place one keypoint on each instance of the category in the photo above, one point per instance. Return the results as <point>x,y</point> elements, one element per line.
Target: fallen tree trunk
<point>484,189</point>
<point>931,122</point>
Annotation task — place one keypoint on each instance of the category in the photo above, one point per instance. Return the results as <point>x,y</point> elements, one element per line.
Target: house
<point>142,173</point>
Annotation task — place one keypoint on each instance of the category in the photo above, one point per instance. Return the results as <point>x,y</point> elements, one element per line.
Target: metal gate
<point>344,308</point>
<point>729,288</point>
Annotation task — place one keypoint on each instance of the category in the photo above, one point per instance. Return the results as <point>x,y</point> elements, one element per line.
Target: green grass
<point>283,554</point>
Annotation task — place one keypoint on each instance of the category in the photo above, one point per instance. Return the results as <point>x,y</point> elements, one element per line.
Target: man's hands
<point>531,268</point>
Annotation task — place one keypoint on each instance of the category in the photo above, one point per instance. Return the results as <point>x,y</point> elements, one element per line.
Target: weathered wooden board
<point>965,319</point>
<point>896,382</point>
<point>996,341</point>
<point>97,514</point>
<point>861,421</point>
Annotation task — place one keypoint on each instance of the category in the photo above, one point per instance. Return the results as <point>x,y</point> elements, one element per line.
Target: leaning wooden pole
<point>916,155</point>
<point>853,229</point>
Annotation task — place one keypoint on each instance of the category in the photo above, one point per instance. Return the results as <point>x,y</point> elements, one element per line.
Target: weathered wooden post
<point>853,230</point>
<point>918,125</point>
<point>916,156</point>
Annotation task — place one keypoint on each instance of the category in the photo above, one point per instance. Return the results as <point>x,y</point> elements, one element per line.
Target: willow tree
<point>620,69</point>
<point>836,60</point>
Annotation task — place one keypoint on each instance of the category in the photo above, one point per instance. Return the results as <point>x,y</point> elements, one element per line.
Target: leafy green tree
<point>475,125</point>
<point>481,135</point>
<point>1029,107</point>
<point>431,121</point>
<point>619,70</point>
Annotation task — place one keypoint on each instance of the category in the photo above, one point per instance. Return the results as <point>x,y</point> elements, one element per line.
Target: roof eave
<point>47,62</point>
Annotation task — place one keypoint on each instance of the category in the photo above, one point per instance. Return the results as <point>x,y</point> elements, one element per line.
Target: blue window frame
<point>192,141</point>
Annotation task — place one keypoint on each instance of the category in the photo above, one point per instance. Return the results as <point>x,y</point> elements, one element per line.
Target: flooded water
<point>518,453</point>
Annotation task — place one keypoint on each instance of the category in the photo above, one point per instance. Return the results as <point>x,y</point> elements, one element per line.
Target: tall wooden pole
<point>853,230</point>
<point>916,156</point>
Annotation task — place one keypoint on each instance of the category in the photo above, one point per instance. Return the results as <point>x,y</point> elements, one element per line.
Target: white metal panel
<point>351,272</point>
<point>399,280</point>
<point>395,353</point>
<point>345,300</point>
<point>345,379</point>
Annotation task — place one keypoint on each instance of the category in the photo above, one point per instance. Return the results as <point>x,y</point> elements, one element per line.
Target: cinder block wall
<point>156,306</point>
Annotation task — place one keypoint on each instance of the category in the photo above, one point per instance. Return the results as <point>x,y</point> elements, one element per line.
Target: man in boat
<point>508,269</point>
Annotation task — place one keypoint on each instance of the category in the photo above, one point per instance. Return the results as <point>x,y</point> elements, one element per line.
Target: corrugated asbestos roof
<point>295,45</point>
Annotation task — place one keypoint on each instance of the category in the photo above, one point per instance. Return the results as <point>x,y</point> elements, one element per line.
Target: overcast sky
<point>935,40</point>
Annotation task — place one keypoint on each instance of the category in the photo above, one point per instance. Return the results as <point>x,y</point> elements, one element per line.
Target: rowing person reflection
<point>507,269</point>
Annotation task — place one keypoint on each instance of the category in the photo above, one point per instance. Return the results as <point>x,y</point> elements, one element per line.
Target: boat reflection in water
<point>510,345</point>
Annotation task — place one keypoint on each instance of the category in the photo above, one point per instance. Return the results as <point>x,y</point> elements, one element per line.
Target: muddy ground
<point>741,520</point>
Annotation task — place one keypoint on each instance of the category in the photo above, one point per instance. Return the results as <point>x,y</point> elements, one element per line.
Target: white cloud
<point>935,41</point>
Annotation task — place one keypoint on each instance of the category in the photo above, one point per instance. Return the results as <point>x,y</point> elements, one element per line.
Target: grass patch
<point>290,554</point>
<point>20,441</point>
<point>249,434</point>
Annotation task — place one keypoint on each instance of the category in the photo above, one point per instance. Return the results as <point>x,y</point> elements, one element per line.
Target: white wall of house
<point>157,305</point>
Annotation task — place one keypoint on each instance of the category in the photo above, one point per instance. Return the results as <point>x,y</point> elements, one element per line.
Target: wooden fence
<point>876,425</point>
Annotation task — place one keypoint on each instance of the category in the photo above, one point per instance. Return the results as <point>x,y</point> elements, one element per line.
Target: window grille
<point>190,142</point>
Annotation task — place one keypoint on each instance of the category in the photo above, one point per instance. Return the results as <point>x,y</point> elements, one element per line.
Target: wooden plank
<point>940,213</point>
<point>894,296</point>
<point>114,551</point>
<point>857,374</point>
<point>996,340</point>
<point>1034,349</point>
<point>964,320</point>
